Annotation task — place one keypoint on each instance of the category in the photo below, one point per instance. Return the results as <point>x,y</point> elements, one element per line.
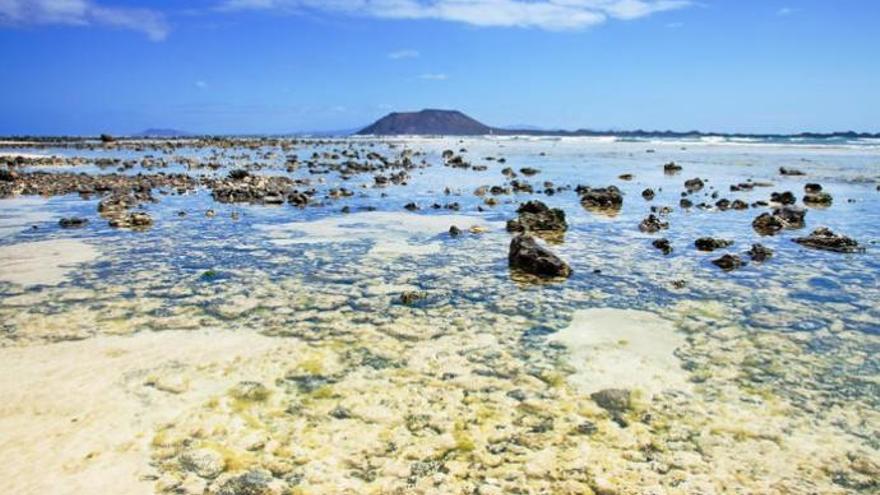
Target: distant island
<point>456,123</point>
<point>163,133</point>
<point>445,122</point>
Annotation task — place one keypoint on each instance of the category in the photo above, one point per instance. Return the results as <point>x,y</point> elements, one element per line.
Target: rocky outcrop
<point>711,244</point>
<point>526,255</point>
<point>537,217</point>
<point>823,238</point>
<point>652,224</point>
<point>608,199</point>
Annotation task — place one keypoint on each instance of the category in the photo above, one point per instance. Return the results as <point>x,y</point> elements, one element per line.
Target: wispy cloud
<point>399,54</point>
<point>434,77</point>
<point>784,11</point>
<point>83,13</point>
<point>201,84</point>
<point>542,14</point>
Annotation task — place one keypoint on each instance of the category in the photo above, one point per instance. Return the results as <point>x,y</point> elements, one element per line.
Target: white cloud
<point>201,84</point>
<point>543,14</point>
<point>434,77</point>
<point>403,54</point>
<point>83,13</point>
<point>784,11</point>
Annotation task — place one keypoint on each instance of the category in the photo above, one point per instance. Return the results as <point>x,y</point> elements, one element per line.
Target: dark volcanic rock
<point>787,217</point>
<point>790,171</point>
<point>671,168</point>
<point>411,297</point>
<point>663,245</point>
<point>759,253</point>
<point>818,199</point>
<point>528,171</point>
<point>693,185</point>
<point>454,231</point>
<point>711,244</point>
<point>73,222</point>
<point>7,175</point>
<point>614,400</point>
<point>648,194</point>
<point>793,216</point>
<point>812,188</point>
<point>603,198</point>
<point>652,224</point>
<point>786,198</point>
<point>767,224</point>
<point>728,262</point>
<point>239,174</point>
<point>134,221</point>
<point>526,255</point>
<point>535,216</point>
<point>823,238</point>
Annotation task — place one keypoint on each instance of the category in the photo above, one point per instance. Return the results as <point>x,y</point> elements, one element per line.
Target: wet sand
<point>43,262</point>
<point>78,417</point>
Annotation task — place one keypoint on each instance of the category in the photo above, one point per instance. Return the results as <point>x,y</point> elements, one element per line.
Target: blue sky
<point>275,66</point>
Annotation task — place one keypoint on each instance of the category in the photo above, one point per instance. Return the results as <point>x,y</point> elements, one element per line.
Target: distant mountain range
<point>456,123</point>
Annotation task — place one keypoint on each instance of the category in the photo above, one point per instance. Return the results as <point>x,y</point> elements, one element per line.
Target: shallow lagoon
<point>469,391</point>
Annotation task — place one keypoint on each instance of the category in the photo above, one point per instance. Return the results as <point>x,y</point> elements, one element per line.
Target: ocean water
<point>760,380</point>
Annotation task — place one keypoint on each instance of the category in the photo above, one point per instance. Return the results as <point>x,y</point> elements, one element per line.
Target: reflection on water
<point>773,387</point>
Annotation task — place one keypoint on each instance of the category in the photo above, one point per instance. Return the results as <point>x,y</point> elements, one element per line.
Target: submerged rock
<point>206,463</point>
<point>73,222</point>
<point>526,255</point>
<point>411,297</point>
<point>823,238</point>
<point>254,482</point>
<point>614,400</point>
<point>135,221</point>
<point>711,244</point>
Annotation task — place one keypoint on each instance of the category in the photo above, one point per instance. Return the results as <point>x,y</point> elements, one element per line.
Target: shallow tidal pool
<point>355,346</point>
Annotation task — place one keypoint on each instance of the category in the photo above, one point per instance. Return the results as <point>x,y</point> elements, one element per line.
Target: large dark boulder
<point>527,255</point>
